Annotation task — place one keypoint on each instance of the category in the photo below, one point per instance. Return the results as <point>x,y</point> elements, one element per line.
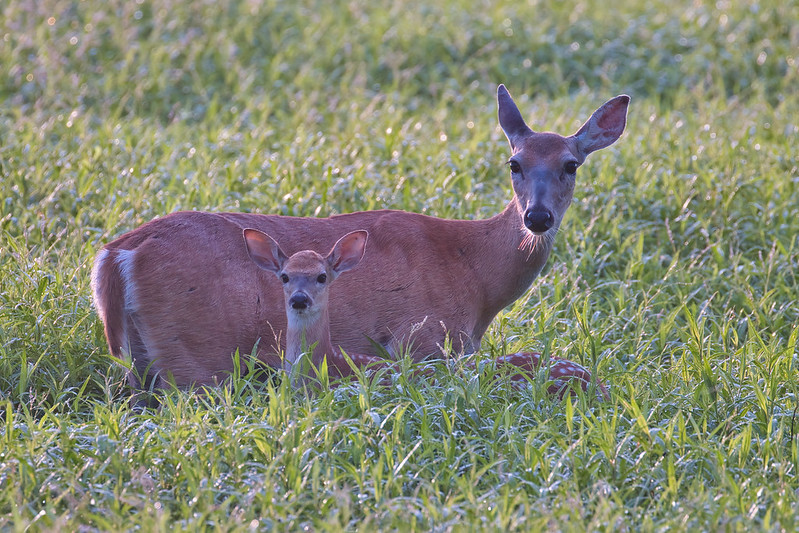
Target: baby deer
<point>562,372</point>
<point>306,278</point>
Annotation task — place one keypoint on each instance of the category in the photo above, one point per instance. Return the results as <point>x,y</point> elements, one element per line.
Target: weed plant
<point>674,275</point>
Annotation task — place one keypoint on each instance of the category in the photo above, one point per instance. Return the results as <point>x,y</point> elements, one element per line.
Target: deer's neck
<point>508,257</point>
<point>306,333</point>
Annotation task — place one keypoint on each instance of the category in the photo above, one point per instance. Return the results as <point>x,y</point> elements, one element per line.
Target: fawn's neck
<point>308,333</point>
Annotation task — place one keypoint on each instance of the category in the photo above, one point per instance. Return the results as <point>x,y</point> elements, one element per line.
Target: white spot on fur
<point>102,255</point>
<point>298,321</point>
<point>125,263</point>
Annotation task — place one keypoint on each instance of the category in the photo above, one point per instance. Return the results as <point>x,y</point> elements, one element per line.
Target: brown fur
<point>197,297</point>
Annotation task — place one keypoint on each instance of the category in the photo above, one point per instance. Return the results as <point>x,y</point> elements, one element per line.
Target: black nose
<point>538,221</point>
<point>299,301</point>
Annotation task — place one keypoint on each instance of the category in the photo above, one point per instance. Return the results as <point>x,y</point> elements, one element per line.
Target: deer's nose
<point>538,220</point>
<point>299,301</point>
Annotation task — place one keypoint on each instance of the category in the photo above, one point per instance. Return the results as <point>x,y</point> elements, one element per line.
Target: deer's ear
<point>510,119</point>
<point>348,251</point>
<point>604,127</point>
<point>264,251</point>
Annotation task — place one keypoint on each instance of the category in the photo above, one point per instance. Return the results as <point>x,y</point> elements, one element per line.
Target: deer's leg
<point>339,367</point>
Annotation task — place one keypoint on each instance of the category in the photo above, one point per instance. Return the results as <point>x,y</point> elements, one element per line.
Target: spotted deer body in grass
<point>562,374</point>
<point>179,295</point>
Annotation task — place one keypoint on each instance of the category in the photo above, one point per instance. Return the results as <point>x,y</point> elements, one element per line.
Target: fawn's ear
<point>510,119</point>
<point>604,127</point>
<point>348,251</point>
<point>264,251</point>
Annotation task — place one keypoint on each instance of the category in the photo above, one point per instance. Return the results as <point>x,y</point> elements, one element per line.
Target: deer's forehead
<point>305,263</point>
<point>543,147</point>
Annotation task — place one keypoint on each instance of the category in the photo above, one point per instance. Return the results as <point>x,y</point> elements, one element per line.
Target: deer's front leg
<point>339,367</point>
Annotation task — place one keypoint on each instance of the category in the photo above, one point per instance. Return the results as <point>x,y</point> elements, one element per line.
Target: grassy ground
<point>674,275</point>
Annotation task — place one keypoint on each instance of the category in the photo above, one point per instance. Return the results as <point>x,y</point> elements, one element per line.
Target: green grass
<point>674,274</point>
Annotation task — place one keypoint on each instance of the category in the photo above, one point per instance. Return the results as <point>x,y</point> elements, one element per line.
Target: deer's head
<point>543,166</point>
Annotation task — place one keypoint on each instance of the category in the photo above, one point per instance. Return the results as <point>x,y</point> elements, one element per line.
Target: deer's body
<point>179,294</point>
<point>233,305</point>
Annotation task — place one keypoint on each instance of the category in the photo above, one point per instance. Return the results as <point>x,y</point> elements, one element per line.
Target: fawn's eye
<point>284,278</point>
<point>515,167</point>
<point>321,278</point>
<point>570,167</point>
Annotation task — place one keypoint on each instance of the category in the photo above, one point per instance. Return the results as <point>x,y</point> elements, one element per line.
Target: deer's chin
<point>300,317</point>
<point>533,234</point>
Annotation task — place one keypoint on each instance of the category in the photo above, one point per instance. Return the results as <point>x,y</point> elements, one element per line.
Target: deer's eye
<point>321,278</point>
<point>570,167</point>
<point>284,278</point>
<point>515,167</point>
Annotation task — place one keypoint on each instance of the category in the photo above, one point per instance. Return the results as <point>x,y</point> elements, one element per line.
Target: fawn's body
<point>307,278</point>
<point>179,295</point>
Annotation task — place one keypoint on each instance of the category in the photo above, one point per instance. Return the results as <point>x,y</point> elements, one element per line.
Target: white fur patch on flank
<point>125,264</point>
<point>97,268</point>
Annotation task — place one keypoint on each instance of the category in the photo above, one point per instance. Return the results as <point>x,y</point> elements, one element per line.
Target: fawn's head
<point>543,166</point>
<point>306,275</point>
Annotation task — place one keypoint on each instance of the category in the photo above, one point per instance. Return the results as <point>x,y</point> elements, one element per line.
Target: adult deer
<point>179,294</point>
<point>307,277</point>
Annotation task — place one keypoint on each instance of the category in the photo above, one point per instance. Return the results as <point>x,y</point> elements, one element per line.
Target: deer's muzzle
<point>538,220</point>
<point>299,301</point>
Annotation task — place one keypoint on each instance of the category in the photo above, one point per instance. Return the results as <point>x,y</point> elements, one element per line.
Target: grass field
<point>674,273</point>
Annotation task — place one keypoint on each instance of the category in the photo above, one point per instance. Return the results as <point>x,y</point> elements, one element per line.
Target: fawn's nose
<point>299,301</point>
<point>538,220</point>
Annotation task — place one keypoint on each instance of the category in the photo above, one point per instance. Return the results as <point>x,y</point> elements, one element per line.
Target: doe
<point>178,296</point>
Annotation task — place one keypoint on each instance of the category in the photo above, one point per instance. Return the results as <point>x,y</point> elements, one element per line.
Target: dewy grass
<point>674,275</point>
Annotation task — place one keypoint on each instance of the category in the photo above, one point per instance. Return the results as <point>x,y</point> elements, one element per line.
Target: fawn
<point>306,277</point>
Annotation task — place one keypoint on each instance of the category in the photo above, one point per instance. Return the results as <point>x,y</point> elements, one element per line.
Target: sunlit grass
<point>674,276</point>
